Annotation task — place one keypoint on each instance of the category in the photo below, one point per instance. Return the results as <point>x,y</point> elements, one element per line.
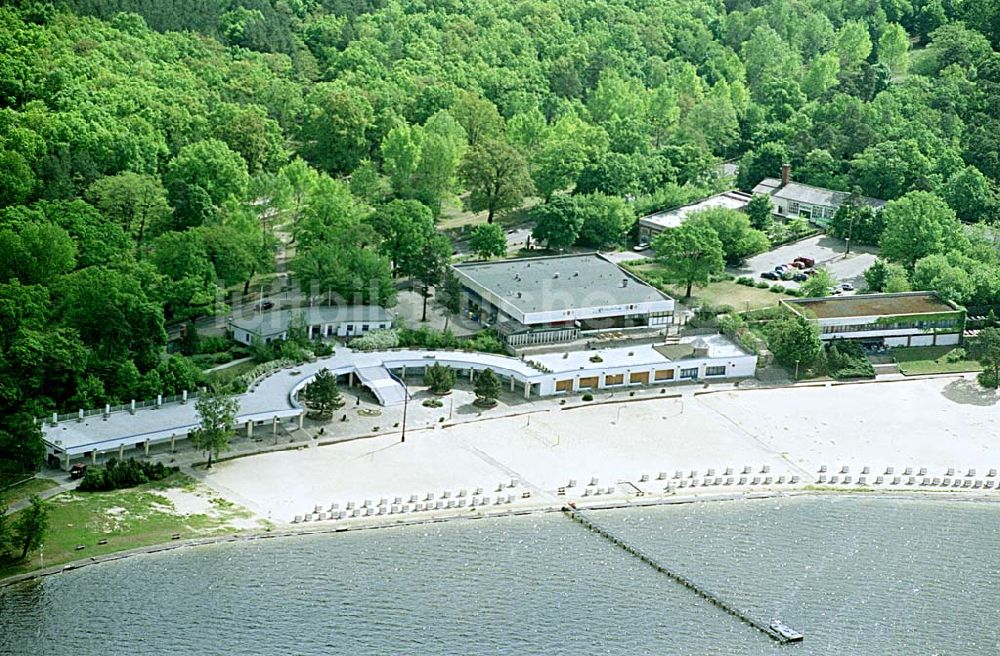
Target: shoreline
<point>379,523</point>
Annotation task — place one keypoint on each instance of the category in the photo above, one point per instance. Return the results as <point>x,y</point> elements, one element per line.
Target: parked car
<point>77,470</point>
<point>770,275</point>
<point>809,271</point>
<point>638,248</point>
<point>800,277</point>
<point>847,287</point>
<point>797,264</point>
<point>836,291</point>
<point>265,305</point>
<point>808,261</point>
<point>779,268</point>
<point>789,274</point>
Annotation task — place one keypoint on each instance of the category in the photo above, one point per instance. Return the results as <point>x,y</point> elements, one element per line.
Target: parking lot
<point>827,251</point>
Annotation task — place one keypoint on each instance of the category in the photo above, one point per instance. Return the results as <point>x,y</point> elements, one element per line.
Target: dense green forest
<point>149,149</point>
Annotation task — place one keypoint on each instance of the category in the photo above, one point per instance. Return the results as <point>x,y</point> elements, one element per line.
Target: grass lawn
<point>725,292</point>
<point>454,217</point>
<point>127,519</point>
<point>916,360</point>
<point>25,490</point>
<point>225,376</point>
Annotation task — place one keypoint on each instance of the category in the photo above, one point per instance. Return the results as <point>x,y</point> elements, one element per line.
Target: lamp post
<point>796,370</point>
<point>406,403</point>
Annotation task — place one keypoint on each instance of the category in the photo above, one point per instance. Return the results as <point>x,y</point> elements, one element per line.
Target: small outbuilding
<point>319,322</point>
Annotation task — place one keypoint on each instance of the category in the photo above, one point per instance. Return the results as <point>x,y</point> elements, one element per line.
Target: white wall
<point>598,312</point>
<point>744,366</point>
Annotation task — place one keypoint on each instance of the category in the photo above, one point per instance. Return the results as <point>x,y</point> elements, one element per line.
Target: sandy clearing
<point>934,423</point>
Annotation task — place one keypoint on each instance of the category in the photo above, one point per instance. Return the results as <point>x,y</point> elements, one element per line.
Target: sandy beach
<point>935,424</point>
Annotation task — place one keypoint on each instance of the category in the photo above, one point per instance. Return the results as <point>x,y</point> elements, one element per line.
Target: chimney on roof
<point>786,174</point>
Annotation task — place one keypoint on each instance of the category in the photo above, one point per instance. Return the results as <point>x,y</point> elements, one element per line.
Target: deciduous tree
<point>690,253</point>
<point>488,240</point>
<point>30,526</point>
<point>217,414</point>
<point>557,224</point>
<point>497,177</point>
<point>793,340</point>
<point>917,225</point>
<point>988,348</point>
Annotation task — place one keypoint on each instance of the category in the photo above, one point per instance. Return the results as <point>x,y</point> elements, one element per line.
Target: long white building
<point>273,398</point>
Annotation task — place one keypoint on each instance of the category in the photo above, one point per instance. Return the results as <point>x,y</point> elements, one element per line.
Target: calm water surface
<point>856,575</point>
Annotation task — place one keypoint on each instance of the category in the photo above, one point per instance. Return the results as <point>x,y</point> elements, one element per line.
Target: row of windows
<point>814,211</point>
<point>867,327</point>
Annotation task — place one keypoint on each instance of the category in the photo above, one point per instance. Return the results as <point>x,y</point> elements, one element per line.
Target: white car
<point>847,287</point>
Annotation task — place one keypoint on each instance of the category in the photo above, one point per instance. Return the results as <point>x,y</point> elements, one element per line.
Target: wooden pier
<point>761,625</point>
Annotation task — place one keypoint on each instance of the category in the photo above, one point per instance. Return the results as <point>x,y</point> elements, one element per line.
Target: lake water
<point>857,575</point>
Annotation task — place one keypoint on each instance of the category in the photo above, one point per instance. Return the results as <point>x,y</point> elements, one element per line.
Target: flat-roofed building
<point>319,322</point>
<point>654,224</point>
<point>545,300</point>
<point>905,319</point>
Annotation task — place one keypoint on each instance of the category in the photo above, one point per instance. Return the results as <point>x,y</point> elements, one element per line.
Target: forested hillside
<point>149,148</point>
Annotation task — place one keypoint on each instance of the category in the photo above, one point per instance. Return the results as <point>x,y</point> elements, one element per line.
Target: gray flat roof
<point>803,193</point>
<point>734,200</point>
<point>276,322</point>
<point>719,346</point>
<point>868,305</point>
<point>571,279</point>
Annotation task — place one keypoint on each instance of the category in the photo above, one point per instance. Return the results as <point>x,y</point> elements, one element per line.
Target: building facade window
<point>689,373</point>
<point>719,370</point>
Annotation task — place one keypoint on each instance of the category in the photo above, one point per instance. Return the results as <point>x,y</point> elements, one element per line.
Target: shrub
<point>956,355</point>
<point>376,340</point>
<point>432,403</point>
<point>778,289</point>
<point>846,359</point>
<point>118,474</point>
<point>213,344</point>
<point>322,349</point>
<point>762,285</point>
<point>485,342</point>
<point>587,397</point>
<point>746,281</point>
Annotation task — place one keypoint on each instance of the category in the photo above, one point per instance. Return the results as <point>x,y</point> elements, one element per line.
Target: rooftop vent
<point>576,274</point>
<point>624,282</point>
<point>555,275</point>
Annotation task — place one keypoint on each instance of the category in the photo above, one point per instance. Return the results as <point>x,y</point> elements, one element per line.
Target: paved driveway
<point>827,251</point>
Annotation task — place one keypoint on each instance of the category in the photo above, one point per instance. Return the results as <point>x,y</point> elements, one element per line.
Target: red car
<point>807,261</point>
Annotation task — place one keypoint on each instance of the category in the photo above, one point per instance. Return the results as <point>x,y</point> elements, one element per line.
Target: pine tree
<point>439,379</point>
<point>322,396</point>
<point>487,388</point>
